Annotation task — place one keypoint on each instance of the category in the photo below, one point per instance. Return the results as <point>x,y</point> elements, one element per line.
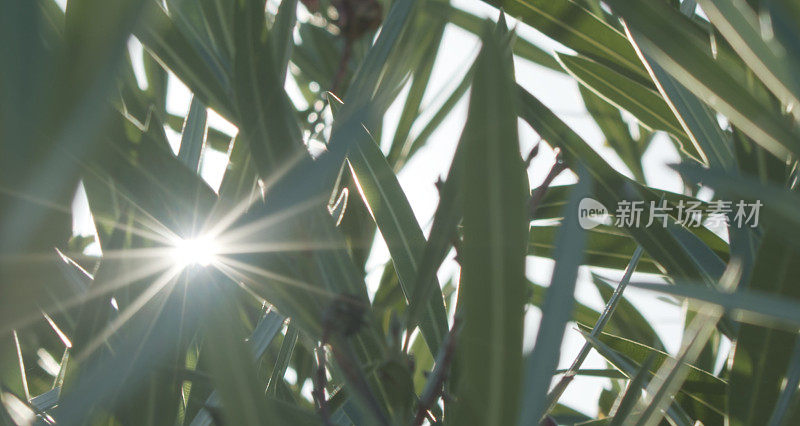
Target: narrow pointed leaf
<point>541,363</point>
<point>611,187</point>
<point>641,101</point>
<point>685,53</point>
<point>698,120</point>
<point>740,25</point>
<point>568,23</point>
<point>490,298</point>
<point>193,139</point>
<point>392,213</point>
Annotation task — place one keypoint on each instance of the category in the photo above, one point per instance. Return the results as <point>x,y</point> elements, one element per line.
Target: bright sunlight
<point>201,251</point>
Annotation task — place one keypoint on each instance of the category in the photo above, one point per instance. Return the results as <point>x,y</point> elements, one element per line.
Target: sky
<point>557,91</point>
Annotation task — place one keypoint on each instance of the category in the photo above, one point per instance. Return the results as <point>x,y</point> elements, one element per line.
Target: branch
<point>435,386</point>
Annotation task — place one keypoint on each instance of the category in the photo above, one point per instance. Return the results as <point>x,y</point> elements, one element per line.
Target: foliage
<point>197,301</point>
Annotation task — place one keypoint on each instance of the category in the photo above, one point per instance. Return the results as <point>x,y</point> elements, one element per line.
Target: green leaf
<point>552,205</point>
<point>215,139</point>
<point>541,363</point>
<point>474,24</point>
<point>697,119</point>
<point>54,106</point>
<point>392,213</point>
<point>611,187</point>
<point>490,298</point>
<point>778,204</point>
<point>700,246</point>
<point>411,108</point>
<point>608,311</point>
<point>282,362</point>
<point>783,408</point>
<point>318,54</point>
<point>239,183</point>
<point>632,393</point>
<point>575,27</point>
<point>610,373</point>
<point>422,137</point>
<point>740,25</point>
<point>444,231</point>
<point>440,372</point>
<point>581,313</point>
<point>682,49</point>
<point>281,33</point>
<point>132,351</point>
<point>424,362</point>
<point>193,138</point>
<point>761,354</point>
<point>176,51</point>
<point>616,132</point>
<point>641,101</point>
<point>700,385</point>
<point>233,369</point>
<point>371,92</point>
<point>368,76</point>
<point>268,122</point>
<point>148,174</point>
<point>606,247</point>
<point>628,318</point>
<point>785,15</point>
<point>267,328</point>
<point>673,373</point>
<point>750,306</point>
<point>631,370</point>
<point>565,415</point>
<point>304,283</point>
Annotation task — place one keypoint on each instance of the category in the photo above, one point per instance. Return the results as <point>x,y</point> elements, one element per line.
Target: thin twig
<point>569,375</point>
<point>532,154</point>
<point>538,193</point>
<point>340,73</point>
<point>435,386</point>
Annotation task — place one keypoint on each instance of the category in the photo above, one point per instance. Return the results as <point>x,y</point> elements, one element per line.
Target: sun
<point>200,251</point>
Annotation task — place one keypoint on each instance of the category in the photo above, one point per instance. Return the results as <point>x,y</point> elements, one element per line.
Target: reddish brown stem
<point>439,375</point>
<point>538,193</point>
<point>342,71</point>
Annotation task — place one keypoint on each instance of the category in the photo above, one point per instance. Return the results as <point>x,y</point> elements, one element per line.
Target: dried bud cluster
<point>355,17</point>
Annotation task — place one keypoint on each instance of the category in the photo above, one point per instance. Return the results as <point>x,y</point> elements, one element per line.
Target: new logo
<point>591,213</point>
